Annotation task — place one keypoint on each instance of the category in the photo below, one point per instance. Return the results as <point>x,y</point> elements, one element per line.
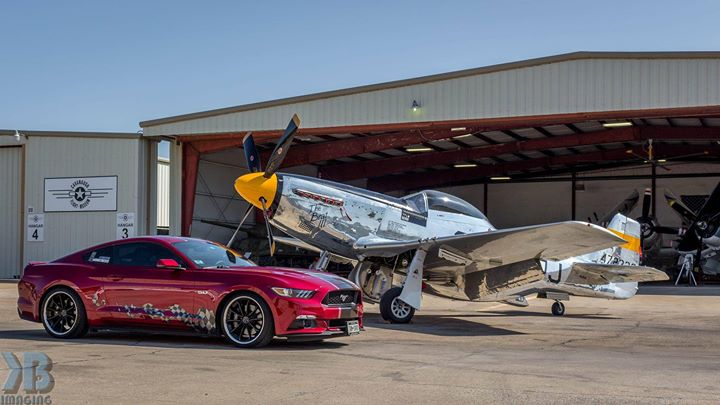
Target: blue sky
<point>105,66</point>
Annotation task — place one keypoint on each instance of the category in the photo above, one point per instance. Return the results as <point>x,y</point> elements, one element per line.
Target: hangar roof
<point>580,82</point>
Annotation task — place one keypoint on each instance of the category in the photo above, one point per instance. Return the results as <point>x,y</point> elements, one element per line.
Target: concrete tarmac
<point>662,346</point>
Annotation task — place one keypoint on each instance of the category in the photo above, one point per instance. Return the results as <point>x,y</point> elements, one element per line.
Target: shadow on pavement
<point>682,290</point>
<point>162,340</point>
<point>540,314</point>
<point>439,325</point>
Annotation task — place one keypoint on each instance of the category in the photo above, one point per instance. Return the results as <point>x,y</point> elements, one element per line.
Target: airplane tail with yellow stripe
<point>630,253</point>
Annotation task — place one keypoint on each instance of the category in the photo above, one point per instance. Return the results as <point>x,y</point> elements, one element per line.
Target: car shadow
<point>439,325</point>
<point>163,340</point>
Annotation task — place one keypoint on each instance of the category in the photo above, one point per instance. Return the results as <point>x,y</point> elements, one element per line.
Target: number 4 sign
<point>36,227</point>
<point>125,225</point>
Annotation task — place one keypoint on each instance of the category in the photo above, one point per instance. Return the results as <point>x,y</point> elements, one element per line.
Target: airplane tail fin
<point>628,229</point>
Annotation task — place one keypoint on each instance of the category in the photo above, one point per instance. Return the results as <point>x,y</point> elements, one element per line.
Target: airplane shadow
<point>163,340</point>
<point>539,314</point>
<point>439,325</point>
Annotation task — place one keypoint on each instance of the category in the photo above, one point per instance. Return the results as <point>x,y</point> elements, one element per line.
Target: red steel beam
<point>380,167</point>
<point>191,159</point>
<point>417,132</point>
<point>436,179</point>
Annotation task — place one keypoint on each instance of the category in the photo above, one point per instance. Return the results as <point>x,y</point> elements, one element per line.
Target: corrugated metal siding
<point>10,212</point>
<point>163,194</point>
<point>66,232</point>
<point>564,87</point>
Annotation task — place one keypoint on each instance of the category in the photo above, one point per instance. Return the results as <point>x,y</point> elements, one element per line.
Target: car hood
<point>307,275</point>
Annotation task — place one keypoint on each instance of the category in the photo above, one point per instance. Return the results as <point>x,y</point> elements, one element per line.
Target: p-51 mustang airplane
<point>438,241</point>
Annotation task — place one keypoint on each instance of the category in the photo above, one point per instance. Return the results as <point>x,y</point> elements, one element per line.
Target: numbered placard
<point>125,225</point>
<point>35,228</point>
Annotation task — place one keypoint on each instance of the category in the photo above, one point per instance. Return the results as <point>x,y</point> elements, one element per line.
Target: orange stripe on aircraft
<point>633,243</point>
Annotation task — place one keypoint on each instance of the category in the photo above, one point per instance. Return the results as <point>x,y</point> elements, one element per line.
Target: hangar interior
<point>545,140</point>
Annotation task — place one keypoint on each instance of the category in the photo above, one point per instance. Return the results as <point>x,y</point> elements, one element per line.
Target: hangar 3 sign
<point>81,194</point>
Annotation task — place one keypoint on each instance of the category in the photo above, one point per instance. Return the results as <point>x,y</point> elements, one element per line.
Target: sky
<point>106,66</point>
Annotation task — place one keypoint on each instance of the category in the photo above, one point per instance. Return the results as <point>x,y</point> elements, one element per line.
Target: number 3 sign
<point>125,225</point>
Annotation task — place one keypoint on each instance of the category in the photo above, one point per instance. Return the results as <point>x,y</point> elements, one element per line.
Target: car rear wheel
<point>247,321</point>
<point>63,314</point>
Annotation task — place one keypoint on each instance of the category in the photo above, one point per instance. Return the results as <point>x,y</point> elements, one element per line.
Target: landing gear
<point>393,309</point>
<point>398,304</point>
<point>558,308</point>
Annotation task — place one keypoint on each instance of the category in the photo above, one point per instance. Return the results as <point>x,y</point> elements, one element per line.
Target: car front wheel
<point>247,321</point>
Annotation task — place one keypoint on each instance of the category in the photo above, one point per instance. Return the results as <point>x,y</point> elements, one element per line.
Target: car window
<point>103,255</point>
<point>209,254</point>
<point>142,254</point>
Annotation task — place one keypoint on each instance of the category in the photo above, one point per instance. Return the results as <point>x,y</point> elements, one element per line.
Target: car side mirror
<point>169,264</point>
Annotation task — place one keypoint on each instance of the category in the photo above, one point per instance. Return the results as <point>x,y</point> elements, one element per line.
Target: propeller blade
<point>646,203</point>
<point>705,223</point>
<point>281,149</point>
<point>242,221</point>
<point>271,240</point>
<point>687,215</point>
<point>623,207</point>
<point>252,157</point>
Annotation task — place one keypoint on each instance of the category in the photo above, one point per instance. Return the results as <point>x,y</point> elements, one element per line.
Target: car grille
<point>342,297</point>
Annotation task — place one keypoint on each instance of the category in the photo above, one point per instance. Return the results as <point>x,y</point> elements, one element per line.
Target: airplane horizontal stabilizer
<point>597,274</point>
<point>484,250</point>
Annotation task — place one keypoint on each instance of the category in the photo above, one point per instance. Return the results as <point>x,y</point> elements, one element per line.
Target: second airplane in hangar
<point>439,242</point>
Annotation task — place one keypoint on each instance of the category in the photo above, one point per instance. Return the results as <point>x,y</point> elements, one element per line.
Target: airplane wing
<point>596,274</point>
<point>480,251</point>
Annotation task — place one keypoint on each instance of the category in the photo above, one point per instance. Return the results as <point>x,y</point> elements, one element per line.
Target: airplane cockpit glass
<point>416,202</point>
<point>440,201</point>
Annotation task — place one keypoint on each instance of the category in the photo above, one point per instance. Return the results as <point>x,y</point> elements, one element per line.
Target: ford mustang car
<point>182,283</point>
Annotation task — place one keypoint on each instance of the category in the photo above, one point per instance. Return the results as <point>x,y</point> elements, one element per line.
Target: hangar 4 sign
<point>81,194</point>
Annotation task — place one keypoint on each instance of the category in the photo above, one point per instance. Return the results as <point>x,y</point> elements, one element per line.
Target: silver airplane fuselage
<point>333,216</point>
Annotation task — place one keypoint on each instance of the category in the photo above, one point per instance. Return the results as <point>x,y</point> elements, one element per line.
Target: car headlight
<point>293,292</point>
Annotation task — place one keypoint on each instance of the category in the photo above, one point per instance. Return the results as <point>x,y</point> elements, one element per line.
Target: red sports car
<point>181,283</point>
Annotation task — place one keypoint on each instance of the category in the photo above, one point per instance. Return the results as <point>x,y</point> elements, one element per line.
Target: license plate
<point>353,327</point>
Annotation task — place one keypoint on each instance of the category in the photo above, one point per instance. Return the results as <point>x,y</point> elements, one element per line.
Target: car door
<point>146,295</point>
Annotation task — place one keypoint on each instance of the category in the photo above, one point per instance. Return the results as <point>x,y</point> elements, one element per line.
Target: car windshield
<point>211,255</point>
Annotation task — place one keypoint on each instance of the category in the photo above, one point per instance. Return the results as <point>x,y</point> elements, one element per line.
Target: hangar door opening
<point>10,214</point>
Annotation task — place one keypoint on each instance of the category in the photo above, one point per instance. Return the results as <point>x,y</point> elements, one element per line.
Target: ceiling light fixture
<point>418,149</point>
<point>500,178</point>
<point>461,165</point>
<point>617,124</point>
<point>462,136</point>
<point>458,129</point>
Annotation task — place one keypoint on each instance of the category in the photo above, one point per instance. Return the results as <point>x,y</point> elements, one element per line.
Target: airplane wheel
<point>394,309</point>
<point>558,308</point>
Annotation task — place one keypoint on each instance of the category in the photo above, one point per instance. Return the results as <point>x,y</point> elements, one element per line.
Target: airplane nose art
<point>253,186</point>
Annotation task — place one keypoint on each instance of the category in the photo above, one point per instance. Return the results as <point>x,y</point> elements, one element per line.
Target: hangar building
<point>548,139</point>
<point>63,191</point>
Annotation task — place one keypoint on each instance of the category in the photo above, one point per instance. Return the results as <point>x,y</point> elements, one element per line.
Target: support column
<point>573,198</point>
<point>191,159</point>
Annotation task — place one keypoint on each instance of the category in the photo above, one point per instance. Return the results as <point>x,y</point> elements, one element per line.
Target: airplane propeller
<point>687,215</point>
<point>252,158</point>
<point>705,224</point>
